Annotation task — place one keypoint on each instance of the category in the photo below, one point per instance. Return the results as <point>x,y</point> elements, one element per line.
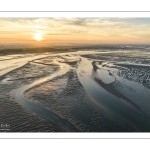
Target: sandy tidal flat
<point>91,91</point>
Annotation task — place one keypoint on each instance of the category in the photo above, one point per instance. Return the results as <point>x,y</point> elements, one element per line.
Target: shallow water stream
<point>109,104</point>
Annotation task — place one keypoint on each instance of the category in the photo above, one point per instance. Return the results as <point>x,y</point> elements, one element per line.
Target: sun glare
<point>38,37</point>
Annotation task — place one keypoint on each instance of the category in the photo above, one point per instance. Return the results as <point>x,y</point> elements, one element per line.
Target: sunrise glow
<point>75,30</point>
<point>38,37</point>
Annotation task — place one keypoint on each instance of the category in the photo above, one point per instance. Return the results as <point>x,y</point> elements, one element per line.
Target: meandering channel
<point>41,111</point>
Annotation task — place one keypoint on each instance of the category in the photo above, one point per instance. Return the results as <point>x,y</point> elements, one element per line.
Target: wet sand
<point>47,95</point>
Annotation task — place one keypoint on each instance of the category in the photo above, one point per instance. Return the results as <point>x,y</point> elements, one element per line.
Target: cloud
<point>85,28</point>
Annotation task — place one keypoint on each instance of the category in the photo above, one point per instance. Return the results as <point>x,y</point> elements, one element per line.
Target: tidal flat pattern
<point>77,92</point>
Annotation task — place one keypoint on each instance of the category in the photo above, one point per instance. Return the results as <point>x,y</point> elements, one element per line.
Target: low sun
<point>38,37</point>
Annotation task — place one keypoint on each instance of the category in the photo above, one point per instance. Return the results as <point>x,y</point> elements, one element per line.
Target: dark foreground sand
<point>64,96</point>
<point>13,114</point>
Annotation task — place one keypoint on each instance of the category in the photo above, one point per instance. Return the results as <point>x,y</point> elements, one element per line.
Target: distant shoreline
<point>69,48</point>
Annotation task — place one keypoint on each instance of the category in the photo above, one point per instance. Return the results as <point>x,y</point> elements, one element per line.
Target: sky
<point>75,30</point>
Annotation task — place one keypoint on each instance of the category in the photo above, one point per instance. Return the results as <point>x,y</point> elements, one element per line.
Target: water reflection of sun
<point>38,37</point>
